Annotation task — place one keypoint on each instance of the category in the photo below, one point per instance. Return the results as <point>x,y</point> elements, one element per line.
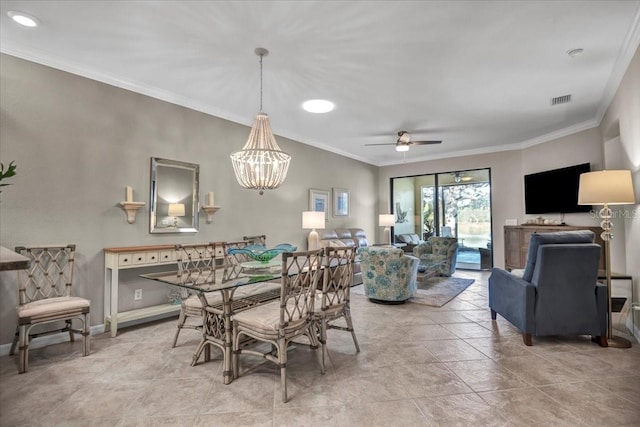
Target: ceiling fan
<point>404,142</point>
<point>461,177</point>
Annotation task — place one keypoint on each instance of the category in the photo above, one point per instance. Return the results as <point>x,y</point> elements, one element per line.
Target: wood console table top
<point>10,260</point>
<point>139,248</point>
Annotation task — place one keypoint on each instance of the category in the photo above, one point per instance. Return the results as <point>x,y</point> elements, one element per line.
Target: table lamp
<point>387,221</point>
<point>176,210</point>
<point>312,220</point>
<point>607,187</point>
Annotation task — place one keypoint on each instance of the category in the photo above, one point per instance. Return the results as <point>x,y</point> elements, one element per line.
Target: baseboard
<point>46,340</point>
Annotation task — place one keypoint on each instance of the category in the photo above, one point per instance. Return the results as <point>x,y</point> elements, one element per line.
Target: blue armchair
<point>388,274</point>
<point>558,293</point>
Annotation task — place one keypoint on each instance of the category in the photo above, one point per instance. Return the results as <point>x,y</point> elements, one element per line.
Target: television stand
<point>516,242</point>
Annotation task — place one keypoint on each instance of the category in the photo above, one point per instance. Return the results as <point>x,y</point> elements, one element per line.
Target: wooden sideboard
<point>516,242</point>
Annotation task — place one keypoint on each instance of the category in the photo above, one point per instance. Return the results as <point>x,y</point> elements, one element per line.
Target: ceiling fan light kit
<point>404,142</point>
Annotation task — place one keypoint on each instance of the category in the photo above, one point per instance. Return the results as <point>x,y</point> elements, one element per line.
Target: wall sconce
<point>387,221</point>
<point>130,207</point>
<point>209,207</point>
<point>312,220</point>
<point>176,210</point>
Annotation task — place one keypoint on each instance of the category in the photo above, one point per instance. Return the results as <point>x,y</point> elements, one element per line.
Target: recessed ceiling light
<point>318,106</point>
<point>23,18</point>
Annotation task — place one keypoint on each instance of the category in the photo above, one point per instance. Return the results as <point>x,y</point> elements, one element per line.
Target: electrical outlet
<point>137,295</point>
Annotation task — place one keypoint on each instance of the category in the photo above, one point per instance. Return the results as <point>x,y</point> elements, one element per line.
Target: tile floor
<point>447,366</point>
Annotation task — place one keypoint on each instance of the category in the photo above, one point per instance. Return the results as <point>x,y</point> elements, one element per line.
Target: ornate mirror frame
<point>174,205</point>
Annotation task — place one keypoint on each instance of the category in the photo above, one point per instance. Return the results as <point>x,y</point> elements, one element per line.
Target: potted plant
<point>8,173</point>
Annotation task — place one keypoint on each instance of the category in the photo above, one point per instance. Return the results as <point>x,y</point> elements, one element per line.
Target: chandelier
<point>260,165</point>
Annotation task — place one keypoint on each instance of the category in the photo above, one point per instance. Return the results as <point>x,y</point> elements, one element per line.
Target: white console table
<point>116,259</point>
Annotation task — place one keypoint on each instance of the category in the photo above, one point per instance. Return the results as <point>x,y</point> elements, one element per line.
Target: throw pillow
<point>403,238</point>
<point>579,236</point>
<point>413,239</point>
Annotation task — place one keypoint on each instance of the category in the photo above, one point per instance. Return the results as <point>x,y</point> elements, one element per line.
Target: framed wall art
<point>319,201</point>
<point>340,202</point>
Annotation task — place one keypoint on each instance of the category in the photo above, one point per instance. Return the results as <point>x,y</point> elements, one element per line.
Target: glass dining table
<point>248,287</point>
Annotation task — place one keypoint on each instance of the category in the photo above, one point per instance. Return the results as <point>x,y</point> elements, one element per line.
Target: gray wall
<point>78,143</point>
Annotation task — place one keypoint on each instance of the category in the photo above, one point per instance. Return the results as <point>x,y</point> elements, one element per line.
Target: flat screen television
<point>554,191</point>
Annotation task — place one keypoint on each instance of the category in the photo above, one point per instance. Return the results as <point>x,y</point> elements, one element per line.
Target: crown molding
<point>627,51</point>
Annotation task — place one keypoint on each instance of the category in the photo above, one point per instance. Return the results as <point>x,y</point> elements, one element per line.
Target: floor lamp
<point>387,221</point>
<point>312,220</point>
<point>607,187</point>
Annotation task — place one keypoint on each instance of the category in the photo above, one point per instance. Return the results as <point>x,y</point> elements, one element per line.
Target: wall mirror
<point>174,196</point>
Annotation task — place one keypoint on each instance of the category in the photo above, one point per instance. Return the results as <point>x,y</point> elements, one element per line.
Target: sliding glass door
<point>452,204</point>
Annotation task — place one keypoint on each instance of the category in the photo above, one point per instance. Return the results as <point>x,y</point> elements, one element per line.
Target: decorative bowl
<point>261,253</point>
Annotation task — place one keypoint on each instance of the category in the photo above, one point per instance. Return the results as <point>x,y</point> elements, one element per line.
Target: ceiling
<point>478,75</point>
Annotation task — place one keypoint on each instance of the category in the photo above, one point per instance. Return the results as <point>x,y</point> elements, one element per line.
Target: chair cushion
<point>193,301</point>
<point>265,317</point>
<point>403,238</point>
<point>413,238</point>
<point>45,307</point>
<point>579,236</point>
<point>215,298</point>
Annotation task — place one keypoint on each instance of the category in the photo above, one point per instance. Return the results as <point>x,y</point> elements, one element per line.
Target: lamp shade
<point>387,220</point>
<point>176,209</point>
<point>313,220</point>
<point>613,187</point>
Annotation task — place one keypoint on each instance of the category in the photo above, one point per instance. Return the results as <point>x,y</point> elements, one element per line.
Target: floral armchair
<point>388,274</point>
<point>439,254</point>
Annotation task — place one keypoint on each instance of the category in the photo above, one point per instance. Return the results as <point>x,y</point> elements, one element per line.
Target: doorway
<point>451,204</point>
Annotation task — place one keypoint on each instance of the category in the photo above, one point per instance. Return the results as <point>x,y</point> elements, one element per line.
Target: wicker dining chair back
<point>233,262</point>
<point>197,264</point>
<point>280,322</point>
<point>333,300</point>
<point>45,296</point>
<point>336,276</point>
<point>257,240</point>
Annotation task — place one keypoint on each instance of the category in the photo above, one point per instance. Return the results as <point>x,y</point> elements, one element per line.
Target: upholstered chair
<point>279,322</point>
<point>558,293</point>
<point>45,296</point>
<point>332,306</point>
<point>196,264</point>
<point>388,274</point>
<point>439,254</point>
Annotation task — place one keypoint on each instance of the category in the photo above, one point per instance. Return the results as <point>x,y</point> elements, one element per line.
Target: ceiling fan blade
<point>425,142</point>
<point>386,143</point>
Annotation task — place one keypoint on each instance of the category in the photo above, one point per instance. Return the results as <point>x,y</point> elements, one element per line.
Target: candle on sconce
<point>129,194</point>
<point>210,199</point>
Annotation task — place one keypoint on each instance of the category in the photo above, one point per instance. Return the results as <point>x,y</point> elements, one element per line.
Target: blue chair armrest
<point>513,298</point>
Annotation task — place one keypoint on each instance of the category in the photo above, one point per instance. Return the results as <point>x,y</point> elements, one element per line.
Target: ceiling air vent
<point>561,99</point>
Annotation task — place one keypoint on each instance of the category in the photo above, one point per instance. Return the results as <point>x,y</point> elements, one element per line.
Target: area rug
<point>435,292</point>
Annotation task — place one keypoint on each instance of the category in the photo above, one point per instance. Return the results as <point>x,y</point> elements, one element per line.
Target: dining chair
<point>279,322</point>
<point>214,330</point>
<point>260,239</point>
<point>234,261</point>
<point>197,263</point>
<point>44,291</point>
<point>332,300</point>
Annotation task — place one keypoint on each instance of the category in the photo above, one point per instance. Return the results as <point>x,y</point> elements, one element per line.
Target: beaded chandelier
<point>260,165</point>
